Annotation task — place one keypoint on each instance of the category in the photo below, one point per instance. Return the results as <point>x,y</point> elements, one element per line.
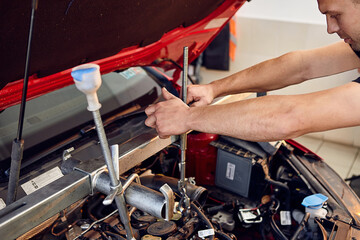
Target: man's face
<point>343,18</point>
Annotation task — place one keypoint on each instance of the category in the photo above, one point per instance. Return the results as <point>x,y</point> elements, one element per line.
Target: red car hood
<point>114,34</point>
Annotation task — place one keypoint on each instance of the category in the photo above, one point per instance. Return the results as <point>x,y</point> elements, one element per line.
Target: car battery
<point>238,169</point>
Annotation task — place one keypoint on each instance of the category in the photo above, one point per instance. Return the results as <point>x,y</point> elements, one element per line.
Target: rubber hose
<point>204,218</point>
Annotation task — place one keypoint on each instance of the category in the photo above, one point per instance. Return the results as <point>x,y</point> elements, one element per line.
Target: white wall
<point>304,11</point>
<point>270,28</point>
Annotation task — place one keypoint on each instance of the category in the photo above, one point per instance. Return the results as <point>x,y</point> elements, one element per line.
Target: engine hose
<point>323,231</point>
<point>301,226</point>
<point>283,187</point>
<point>203,218</point>
<point>91,208</point>
<point>276,230</point>
<point>286,191</point>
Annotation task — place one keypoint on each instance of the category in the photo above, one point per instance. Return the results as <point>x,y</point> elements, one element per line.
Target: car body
<point>139,48</point>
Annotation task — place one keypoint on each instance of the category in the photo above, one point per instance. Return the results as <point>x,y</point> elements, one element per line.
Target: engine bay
<point>273,209</point>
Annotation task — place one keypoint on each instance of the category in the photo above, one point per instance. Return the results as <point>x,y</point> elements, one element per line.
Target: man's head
<point>343,18</point>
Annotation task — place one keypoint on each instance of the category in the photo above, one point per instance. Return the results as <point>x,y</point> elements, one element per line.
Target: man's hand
<point>168,117</point>
<point>199,95</point>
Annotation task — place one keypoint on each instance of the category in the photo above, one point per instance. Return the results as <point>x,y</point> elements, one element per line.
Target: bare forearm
<point>281,117</point>
<point>265,76</point>
<point>291,68</point>
<point>261,119</point>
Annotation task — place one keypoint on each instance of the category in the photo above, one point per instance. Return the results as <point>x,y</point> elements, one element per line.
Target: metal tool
<point>88,80</point>
<point>185,200</point>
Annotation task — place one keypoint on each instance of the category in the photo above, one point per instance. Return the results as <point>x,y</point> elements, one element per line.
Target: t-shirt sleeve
<point>357,53</point>
<point>357,80</point>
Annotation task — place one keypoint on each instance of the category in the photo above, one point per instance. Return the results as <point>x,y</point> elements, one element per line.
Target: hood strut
<point>18,143</point>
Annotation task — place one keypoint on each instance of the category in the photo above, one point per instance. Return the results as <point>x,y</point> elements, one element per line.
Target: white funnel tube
<point>87,79</point>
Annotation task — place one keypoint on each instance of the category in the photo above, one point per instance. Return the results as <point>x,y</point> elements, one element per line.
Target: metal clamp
<point>67,153</point>
<point>169,201</point>
<point>120,189</point>
<point>184,203</point>
<point>132,177</point>
<point>111,196</point>
<point>90,179</point>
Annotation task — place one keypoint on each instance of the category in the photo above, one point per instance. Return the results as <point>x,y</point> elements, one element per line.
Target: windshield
<point>64,110</point>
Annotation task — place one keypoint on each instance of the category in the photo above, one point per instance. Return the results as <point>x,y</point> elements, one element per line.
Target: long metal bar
<point>119,198</point>
<point>18,143</point>
<point>183,137</point>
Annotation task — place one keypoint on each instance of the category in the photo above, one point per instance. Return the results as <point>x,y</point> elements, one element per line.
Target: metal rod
<point>183,137</point>
<point>119,198</point>
<point>185,74</point>
<point>18,143</point>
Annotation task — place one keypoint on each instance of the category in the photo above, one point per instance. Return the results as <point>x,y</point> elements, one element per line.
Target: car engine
<point>272,209</point>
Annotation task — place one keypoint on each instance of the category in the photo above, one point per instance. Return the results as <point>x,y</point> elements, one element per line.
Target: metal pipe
<point>137,195</point>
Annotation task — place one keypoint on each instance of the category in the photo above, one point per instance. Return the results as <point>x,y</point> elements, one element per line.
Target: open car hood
<point>114,34</point>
